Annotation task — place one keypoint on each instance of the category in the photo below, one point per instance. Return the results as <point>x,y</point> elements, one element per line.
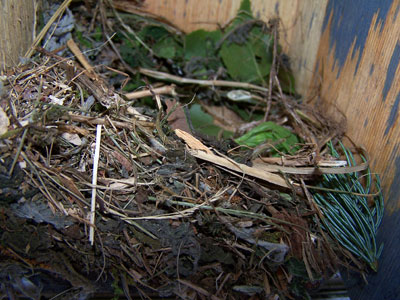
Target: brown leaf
<point>224,117</point>
<point>71,186</point>
<point>123,161</point>
<point>177,118</point>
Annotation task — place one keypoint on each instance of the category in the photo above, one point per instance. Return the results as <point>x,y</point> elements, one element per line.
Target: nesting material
<point>115,195</point>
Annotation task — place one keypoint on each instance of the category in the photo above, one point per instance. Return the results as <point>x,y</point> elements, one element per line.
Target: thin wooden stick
<point>177,79</point>
<point>42,33</point>
<point>167,89</point>
<point>21,144</point>
<point>79,55</point>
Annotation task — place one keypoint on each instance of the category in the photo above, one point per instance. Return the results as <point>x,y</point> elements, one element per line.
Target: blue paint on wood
<point>393,156</point>
<point>317,67</point>
<point>385,284</point>
<point>396,12</point>
<point>351,21</point>
<point>371,70</point>
<point>365,122</point>
<point>393,115</point>
<point>277,8</point>
<point>391,71</point>
<point>311,23</point>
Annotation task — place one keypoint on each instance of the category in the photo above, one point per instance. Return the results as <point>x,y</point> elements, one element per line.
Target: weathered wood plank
<point>358,71</point>
<point>358,62</point>
<point>16,30</point>
<point>300,27</point>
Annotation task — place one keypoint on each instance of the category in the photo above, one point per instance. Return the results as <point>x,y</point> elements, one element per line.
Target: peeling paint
<point>391,71</point>
<point>379,286</point>
<point>346,17</point>
<point>397,12</point>
<point>311,23</point>
<point>393,115</point>
<point>394,193</point>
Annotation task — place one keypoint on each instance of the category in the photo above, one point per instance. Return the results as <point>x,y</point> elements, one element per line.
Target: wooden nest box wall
<point>345,56</point>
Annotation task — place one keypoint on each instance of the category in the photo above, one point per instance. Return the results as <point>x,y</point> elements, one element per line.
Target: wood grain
<point>16,27</point>
<point>358,71</point>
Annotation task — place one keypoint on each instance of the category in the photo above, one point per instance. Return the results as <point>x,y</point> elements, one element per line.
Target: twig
<point>277,251</point>
<point>103,121</point>
<point>228,163</point>
<point>43,187</point>
<point>272,72</point>
<point>182,80</point>
<point>183,213</point>
<point>129,29</point>
<point>236,28</point>
<point>198,289</point>
<point>310,170</point>
<point>166,90</point>
<point>229,211</point>
<point>241,168</point>
<point>79,55</point>
<point>21,144</point>
<point>42,33</point>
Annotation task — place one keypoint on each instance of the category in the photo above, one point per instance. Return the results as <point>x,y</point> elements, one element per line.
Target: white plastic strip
<point>94,183</point>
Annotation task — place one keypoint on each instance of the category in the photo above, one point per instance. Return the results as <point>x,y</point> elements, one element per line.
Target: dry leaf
<point>70,185</point>
<point>123,161</point>
<point>55,100</point>
<point>121,184</point>
<point>224,117</point>
<point>177,119</point>
<point>4,122</point>
<point>73,138</point>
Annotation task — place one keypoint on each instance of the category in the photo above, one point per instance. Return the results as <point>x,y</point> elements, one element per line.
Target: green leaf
<point>281,138</point>
<point>82,40</point>
<point>201,43</point>
<point>286,79</point>
<point>297,268</point>
<point>243,14</point>
<point>166,48</point>
<point>204,123</point>
<point>98,34</point>
<point>153,33</point>
<point>135,56</point>
<point>242,111</point>
<point>245,6</point>
<point>249,61</point>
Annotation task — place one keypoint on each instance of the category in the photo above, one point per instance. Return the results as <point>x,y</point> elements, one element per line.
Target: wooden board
<point>301,23</point>
<point>358,73</point>
<point>16,27</point>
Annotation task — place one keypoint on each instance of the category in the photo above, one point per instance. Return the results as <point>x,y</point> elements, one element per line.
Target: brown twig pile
<point>171,223</point>
<point>127,201</point>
